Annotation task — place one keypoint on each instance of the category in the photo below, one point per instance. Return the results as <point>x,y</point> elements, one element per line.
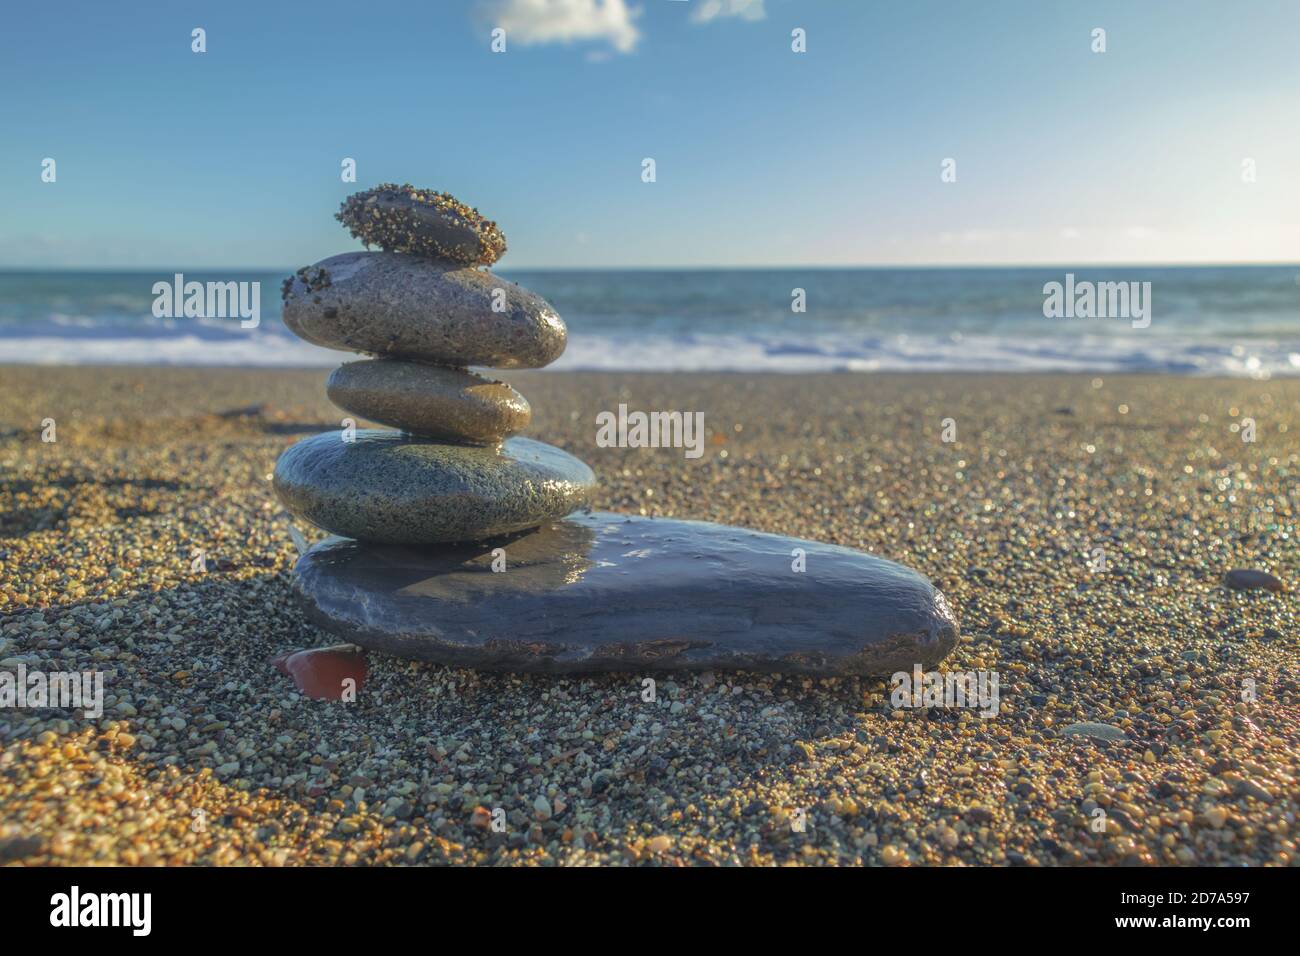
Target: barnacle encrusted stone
<point>402,306</point>
<point>422,222</point>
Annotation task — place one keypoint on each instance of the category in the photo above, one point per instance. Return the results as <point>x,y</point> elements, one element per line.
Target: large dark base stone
<point>609,592</point>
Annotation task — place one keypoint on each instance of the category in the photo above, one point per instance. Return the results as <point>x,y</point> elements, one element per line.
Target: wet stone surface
<point>610,592</point>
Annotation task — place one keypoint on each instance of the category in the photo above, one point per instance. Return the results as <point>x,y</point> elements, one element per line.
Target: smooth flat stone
<point>1250,579</point>
<point>387,488</point>
<point>423,223</point>
<point>429,400</point>
<point>403,306</point>
<point>609,592</point>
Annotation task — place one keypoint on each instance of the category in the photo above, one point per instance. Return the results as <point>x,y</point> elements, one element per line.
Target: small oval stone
<point>402,306</point>
<point>429,400</point>
<point>1250,579</point>
<point>1106,732</point>
<point>423,223</point>
<point>385,487</point>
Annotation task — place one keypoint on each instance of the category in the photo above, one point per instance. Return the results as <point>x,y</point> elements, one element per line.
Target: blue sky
<point>231,158</point>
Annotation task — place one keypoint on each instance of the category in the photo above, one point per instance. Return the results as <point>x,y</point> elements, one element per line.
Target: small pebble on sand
<point>1252,579</point>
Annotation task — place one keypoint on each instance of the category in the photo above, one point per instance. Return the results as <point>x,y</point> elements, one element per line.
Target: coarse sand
<point>1081,528</point>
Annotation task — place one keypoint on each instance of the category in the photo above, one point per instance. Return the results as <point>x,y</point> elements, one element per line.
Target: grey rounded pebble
<point>1250,579</point>
<point>385,487</point>
<point>429,400</point>
<point>1105,732</point>
<point>387,303</point>
<point>610,592</point>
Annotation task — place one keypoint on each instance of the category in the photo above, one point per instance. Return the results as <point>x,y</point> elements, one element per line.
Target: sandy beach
<point>1080,526</point>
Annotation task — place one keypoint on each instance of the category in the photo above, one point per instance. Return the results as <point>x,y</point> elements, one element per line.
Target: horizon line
<point>920,267</point>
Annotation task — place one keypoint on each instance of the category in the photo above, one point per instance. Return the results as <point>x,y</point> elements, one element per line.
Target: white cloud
<point>708,10</point>
<point>564,21</point>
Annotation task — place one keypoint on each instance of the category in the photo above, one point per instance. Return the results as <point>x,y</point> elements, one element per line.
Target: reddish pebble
<point>325,673</point>
<point>1247,579</point>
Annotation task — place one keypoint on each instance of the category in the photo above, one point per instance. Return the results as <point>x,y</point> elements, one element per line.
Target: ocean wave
<point>228,345</point>
<point>916,353</point>
<point>196,345</point>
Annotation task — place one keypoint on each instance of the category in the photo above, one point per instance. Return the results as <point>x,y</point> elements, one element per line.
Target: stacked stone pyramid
<point>450,472</point>
<point>423,514</point>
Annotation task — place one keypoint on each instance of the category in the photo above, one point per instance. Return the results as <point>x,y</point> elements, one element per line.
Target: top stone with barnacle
<point>423,223</point>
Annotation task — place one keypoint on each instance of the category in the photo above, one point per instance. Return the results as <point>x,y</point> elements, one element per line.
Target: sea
<point>1231,320</point>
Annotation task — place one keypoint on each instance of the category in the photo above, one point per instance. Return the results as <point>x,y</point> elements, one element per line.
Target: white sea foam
<point>911,353</point>
<point>191,345</point>
<point>185,348</point>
